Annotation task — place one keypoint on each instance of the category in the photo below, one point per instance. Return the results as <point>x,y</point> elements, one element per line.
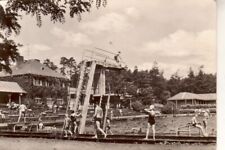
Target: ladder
<point>79,88</point>
<point>87,88</point>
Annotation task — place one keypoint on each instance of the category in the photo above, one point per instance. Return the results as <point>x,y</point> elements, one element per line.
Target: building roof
<point>208,96</point>
<point>10,87</point>
<point>184,95</point>
<point>33,66</point>
<point>187,95</point>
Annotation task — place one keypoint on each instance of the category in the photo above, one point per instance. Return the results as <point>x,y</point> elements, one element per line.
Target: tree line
<point>146,86</point>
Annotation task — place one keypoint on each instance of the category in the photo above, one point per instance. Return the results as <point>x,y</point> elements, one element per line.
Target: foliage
<point>50,64</point>
<point>146,96</point>
<point>188,106</point>
<point>200,83</point>
<point>169,108</point>
<point>70,69</point>
<point>8,54</point>
<point>137,106</point>
<point>55,9</point>
<point>148,86</point>
<point>8,48</point>
<point>157,81</point>
<point>174,84</point>
<point>165,95</point>
<point>188,111</point>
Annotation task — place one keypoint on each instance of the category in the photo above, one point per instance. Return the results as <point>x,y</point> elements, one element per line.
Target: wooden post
<point>87,97</point>
<point>101,82</point>
<point>176,103</point>
<point>20,98</point>
<point>79,88</point>
<point>10,100</point>
<point>106,110</point>
<point>189,130</point>
<point>68,99</point>
<point>100,101</point>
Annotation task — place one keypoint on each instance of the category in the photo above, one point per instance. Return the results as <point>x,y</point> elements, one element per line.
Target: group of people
<point>203,126</point>
<point>151,121</point>
<point>98,117</point>
<point>194,121</point>
<point>71,123</point>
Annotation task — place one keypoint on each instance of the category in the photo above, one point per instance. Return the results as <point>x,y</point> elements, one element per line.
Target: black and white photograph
<point>109,74</point>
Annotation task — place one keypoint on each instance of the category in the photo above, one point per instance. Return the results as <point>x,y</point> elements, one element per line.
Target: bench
<point>186,129</point>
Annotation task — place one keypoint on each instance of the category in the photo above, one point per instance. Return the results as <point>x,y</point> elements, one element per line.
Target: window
<point>38,100</point>
<point>63,85</point>
<point>34,81</point>
<point>59,101</point>
<point>72,96</point>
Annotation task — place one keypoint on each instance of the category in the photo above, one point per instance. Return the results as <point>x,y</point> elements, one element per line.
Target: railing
<point>102,57</point>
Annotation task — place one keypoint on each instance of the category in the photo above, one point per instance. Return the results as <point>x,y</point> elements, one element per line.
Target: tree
<point>8,54</point>
<point>165,95</point>
<point>50,64</point>
<point>70,69</point>
<point>174,84</point>
<point>157,81</point>
<point>55,9</point>
<point>8,48</point>
<point>188,84</point>
<point>69,66</point>
<point>205,83</point>
<point>146,95</point>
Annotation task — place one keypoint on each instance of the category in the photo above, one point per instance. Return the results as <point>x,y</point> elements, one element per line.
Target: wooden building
<point>184,98</point>
<point>40,82</point>
<point>11,92</point>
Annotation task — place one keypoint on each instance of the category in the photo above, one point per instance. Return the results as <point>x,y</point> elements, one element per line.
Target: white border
<point>221,74</point>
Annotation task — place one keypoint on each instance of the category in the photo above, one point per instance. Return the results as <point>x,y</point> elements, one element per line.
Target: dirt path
<point>47,144</point>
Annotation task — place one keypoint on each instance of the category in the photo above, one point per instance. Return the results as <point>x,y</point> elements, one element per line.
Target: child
<point>22,111</point>
<point>108,126</point>
<point>205,119</point>
<point>67,122</point>
<point>40,122</point>
<point>74,121</point>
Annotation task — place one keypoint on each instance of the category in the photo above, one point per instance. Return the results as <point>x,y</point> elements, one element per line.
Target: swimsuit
<point>151,119</point>
<point>194,124</point>
<point>98,119</point>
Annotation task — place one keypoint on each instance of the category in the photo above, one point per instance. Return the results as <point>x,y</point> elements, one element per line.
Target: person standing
<point>151,121</point>
<point>98,115</point>
<point>117,57</point>
<point>22,111</point>
<point>205,119</point>
<point>67,122</point>
<point>74,122</point>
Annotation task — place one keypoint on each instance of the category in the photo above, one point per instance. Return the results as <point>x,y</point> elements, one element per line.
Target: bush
<point>137,106</point>
<point>199,106</point>
<point>169,108</point>
<point>189,111</point>
<point>212,110</point>
<point>186,111</point>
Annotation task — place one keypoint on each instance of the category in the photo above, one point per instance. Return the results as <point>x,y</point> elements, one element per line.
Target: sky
<point>176,34</point>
